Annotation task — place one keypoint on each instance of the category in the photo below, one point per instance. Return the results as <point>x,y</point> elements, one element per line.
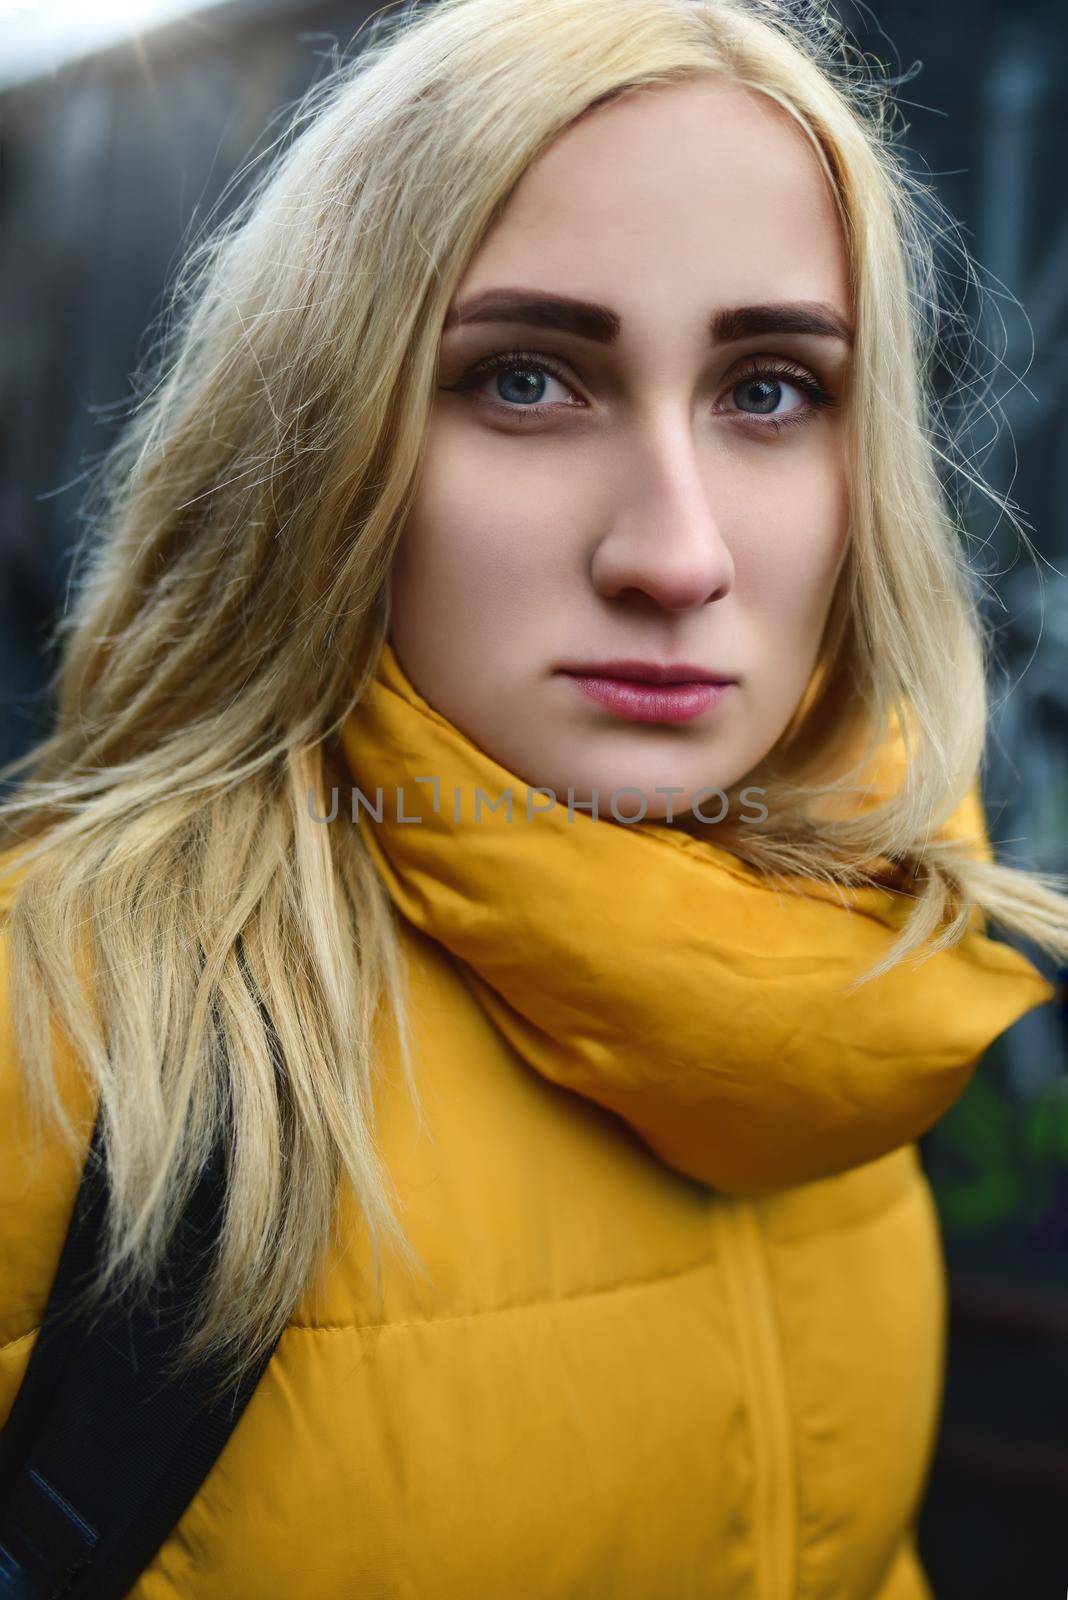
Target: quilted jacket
<point>681,1329</point>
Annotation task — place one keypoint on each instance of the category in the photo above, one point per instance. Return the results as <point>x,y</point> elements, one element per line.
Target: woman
<point>586,1194</point>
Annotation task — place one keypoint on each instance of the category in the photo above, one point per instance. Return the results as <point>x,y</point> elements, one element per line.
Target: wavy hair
<point>175,901</point>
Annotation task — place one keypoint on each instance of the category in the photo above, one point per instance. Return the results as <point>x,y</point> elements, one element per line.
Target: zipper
<point>748,1280</point>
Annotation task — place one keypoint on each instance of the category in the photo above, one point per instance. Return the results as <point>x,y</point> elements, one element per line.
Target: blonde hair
<point>238,598</point>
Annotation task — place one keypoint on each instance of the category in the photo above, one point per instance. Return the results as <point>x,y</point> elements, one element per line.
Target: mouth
<point>667,697</point>
<point>645,672</point>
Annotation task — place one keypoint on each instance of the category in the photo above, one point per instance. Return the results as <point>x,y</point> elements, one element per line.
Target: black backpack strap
<point>103,1449</point>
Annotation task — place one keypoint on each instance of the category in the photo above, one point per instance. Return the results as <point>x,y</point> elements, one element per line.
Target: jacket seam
<point>706,1264</point>
<point>765,1249</point>
<point>557,1300</point>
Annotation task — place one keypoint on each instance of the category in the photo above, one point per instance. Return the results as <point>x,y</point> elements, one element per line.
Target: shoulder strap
<point>103,1450</point>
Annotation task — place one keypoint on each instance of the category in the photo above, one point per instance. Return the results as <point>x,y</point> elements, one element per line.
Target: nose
<point>664,540</point>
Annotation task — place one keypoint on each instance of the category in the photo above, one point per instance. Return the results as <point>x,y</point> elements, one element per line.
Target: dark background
<point>110,163</point>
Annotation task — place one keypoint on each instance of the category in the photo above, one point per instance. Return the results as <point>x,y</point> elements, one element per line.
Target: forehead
<point>671,199</point>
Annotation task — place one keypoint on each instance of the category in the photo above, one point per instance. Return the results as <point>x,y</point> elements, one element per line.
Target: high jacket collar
<point>662,977</point>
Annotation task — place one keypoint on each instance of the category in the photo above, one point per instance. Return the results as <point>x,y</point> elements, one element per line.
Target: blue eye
<point>529,382</point>
<point>773,377</point>
<point>522,376</point>
<point>519,371</point>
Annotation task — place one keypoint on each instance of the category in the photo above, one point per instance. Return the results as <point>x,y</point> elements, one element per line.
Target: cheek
<point>450,542</point>
<point>461,565</point>
<point>788,562</point>
<point>477,536</point>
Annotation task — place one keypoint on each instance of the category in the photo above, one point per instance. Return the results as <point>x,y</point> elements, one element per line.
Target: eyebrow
<point>587,320</point>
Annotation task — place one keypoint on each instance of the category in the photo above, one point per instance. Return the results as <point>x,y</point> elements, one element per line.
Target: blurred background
<point>120,123</point>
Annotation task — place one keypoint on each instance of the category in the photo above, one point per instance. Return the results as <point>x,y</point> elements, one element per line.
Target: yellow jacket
<point>682,1329</point>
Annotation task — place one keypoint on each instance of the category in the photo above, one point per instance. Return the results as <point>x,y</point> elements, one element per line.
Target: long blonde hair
<point>237,598</point>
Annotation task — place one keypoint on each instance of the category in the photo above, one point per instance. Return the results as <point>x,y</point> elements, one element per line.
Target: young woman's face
<point>623,464</point>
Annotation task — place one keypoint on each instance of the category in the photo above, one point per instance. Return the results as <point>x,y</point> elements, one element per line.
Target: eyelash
<point>530,361</point>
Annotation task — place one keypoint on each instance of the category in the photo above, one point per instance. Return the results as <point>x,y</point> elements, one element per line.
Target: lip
<point>644,672</point>
<point>636,700</point>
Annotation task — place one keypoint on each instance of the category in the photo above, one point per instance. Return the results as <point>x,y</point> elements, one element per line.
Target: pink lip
<point>645,671</point>
<point>640,701</point>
